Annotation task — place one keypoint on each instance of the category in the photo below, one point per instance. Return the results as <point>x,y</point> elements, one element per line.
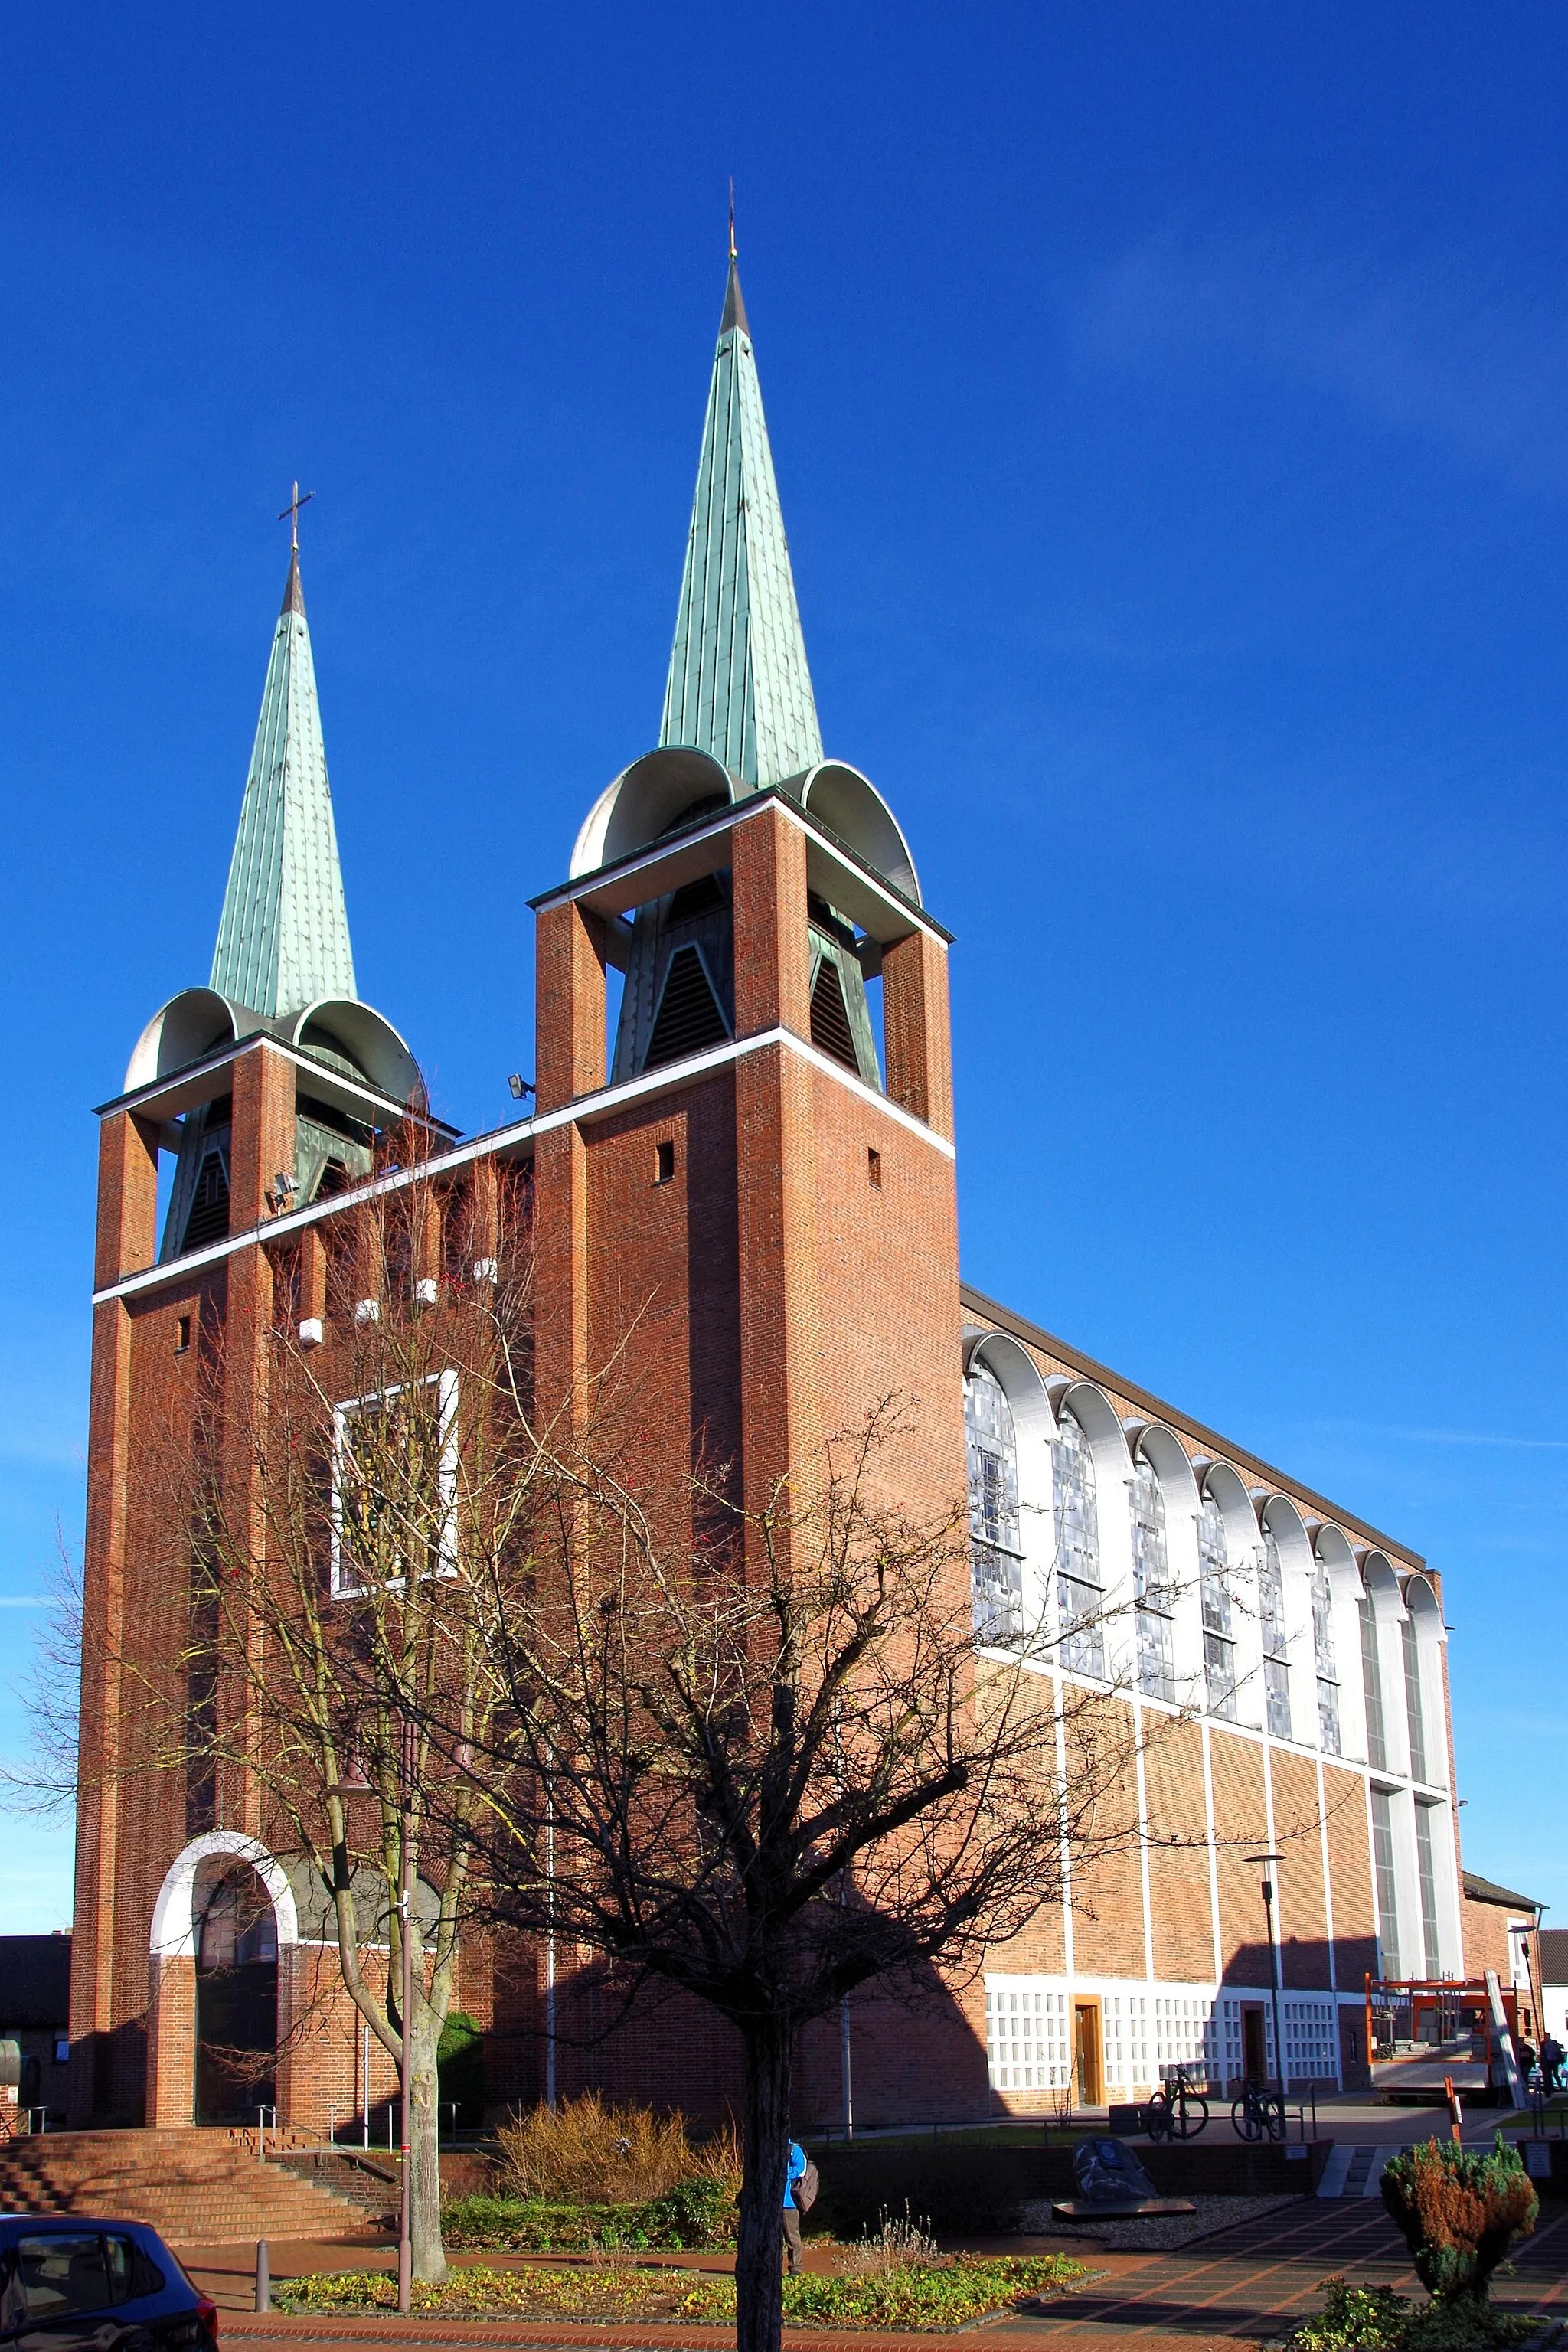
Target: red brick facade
<point>764,1245</point>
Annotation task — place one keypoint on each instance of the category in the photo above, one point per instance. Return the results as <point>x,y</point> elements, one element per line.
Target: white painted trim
<point>173,1936</point>
<point>738,812</point>
<point>585,1109</point>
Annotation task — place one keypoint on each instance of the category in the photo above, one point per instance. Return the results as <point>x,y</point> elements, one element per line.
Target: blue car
<point>113,2287</point>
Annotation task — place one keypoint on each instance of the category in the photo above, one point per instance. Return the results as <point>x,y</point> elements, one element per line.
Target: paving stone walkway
<point>1244,2286</point>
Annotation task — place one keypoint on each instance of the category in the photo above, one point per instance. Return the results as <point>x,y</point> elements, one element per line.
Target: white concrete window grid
<point>344,1584</point>
<point>1146,2031</point>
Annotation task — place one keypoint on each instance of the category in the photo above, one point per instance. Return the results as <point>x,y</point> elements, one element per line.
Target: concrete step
<point>189,2184</point>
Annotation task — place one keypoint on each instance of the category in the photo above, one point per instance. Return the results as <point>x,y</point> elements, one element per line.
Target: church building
<point>744,1106</point>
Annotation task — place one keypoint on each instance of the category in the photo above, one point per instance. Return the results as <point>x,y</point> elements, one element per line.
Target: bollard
<point>263,2277</point>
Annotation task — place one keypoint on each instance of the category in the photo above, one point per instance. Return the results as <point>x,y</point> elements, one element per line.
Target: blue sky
<point>1171,416</point>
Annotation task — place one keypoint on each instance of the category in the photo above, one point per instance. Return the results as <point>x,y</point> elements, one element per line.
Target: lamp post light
<point>1270,1862</point>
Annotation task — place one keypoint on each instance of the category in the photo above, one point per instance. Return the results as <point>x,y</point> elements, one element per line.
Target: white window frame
<point>344,1585</point>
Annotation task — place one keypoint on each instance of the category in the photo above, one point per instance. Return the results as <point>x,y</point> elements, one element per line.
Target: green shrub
<point>1376,2319</point>
<point>1459,2210</point>
<point>460,2067</point>
<point>948,2293</point>
<point>694,2214</point>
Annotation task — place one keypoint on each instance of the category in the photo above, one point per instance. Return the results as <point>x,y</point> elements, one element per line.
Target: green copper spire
<point>739,687</point>
<point>283,938</point>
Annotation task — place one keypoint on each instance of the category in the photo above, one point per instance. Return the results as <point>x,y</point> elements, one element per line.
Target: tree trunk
<point>759,2249</point>
<point>425,2154</point>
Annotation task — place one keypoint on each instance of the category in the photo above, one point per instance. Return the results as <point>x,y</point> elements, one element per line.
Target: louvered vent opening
<point>208,1220</point>
<point>689,1015</point>
<point>829,1021</point>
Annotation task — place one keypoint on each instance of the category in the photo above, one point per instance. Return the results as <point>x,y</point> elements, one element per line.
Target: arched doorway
<point>236,1992</point>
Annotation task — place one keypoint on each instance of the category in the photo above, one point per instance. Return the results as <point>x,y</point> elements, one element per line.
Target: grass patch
<point>948,2293</point>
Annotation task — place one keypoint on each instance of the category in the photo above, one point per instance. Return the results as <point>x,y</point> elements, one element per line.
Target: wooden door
<point>1087,2070</point>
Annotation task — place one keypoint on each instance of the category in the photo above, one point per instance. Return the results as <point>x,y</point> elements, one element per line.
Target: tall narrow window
<point>995,1543</point>
<point>1324,1656</point>
<point>1410,1644</point>
<point>1271,1617</point>
<point>1384,1876</point>
<point>1371,1685</point>
<point>1079,1597</point>
<point>1214,1583</point>
<point>1427,1872</point>
<point>1152,1584</point>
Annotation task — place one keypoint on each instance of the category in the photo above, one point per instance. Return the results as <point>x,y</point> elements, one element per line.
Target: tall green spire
<point>739,687</point>
<point>283,937</point>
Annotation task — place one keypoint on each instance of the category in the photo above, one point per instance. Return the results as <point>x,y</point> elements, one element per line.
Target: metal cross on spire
<point>291,512</point>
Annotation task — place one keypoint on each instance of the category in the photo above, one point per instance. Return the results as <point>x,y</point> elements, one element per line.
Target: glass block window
<point>1412,1648</point>
<point>1213,1588</point>
<point>995,1538</point>
<point>1427,1871</point>
<point>1029,2044</point>
<point>1271,1617</point>
<point>1312,2047</point>
<point>1371,1685</point>
<point>1079,1597</point>
<point>1384,1879</point>
<point>1323,1655</point>
<point>1152,1584</point>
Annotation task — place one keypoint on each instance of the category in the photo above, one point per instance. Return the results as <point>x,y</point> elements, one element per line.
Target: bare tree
<point>765,1762</point>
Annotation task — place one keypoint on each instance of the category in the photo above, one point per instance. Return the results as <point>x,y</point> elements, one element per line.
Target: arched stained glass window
<point>995,1538</point>
<point>1079,1597</point>
<point>1324,1655</point>
<point>1371,1684</point>
<point>1214,1591</point>
<point>1151,1583</point>
<point>1271,1619</point>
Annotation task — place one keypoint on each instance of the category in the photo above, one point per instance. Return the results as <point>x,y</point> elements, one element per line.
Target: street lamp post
<point>1270,1862</point>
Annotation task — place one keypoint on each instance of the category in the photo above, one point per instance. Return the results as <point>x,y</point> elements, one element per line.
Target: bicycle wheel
<point>1159,2117</point>
<point>1191,2115</point>
<point>1278,2126</point>
<point>1244,2115</point>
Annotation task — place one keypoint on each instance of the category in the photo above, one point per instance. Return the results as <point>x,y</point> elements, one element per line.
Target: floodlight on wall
<point>519,1085</point>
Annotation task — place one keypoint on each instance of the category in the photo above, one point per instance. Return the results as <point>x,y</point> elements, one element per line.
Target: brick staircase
<point>194,2186</point>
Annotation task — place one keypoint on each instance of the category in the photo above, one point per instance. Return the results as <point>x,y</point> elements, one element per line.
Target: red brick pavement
<point>1242,2286</point>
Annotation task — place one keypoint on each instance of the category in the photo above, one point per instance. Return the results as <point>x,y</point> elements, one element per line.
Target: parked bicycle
<point>1179,2111</point>
<point>1259,2113</point>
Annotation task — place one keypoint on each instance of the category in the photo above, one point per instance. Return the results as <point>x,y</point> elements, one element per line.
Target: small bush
<point>1459,2210</point>
<point>585,2153</point>
<point>460,2067</point>
<point>891,2247</point>
<point>694,2215</point>
<point>1376,2319</point>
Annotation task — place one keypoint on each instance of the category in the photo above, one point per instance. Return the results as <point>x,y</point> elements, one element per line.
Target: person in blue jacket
<point>793,2172</point>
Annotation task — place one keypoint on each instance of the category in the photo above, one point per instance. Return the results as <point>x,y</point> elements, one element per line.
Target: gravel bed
<point>1153,2232</point>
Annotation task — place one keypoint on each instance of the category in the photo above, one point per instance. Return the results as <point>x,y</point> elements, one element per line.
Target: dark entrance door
<point>237,1999</point>
<point>1254,2045</point>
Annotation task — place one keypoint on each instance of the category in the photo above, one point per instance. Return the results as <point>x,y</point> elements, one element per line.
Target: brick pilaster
<point>569,1018</point>
<point>917,1029</point>
<point>773,952</point>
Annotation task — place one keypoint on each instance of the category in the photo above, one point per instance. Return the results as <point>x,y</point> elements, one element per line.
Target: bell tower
<point>745,1198</point>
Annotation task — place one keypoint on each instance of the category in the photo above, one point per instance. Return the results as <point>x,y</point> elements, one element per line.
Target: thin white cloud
<point>1440,345</point>
<point>1416,1437</point>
